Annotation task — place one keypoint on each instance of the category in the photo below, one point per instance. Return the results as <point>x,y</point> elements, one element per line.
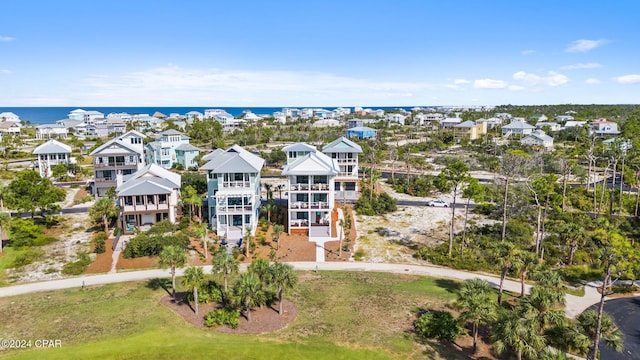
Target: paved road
<point>625,312</point>
<point>575,304</point>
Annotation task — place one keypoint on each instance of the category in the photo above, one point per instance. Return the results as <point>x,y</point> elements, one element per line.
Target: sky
<point>318,53</point>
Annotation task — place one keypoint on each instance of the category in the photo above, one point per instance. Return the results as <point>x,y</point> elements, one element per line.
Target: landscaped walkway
<point>574,304</point>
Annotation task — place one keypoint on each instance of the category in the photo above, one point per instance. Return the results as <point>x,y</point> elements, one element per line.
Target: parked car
<point>438,203</point>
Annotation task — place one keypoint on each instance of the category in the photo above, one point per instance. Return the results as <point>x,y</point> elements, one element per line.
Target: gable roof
<point>212,154</point>
<point>116,146</point>
<point>153,170</point>
<point>341,144</point>
<point>146,186</point>
<point>315,163</point>
<point>186,147</point>
<point>234,159</point>
<point>299,147</point>
<point>518,124</point>
<point>132,133</point>
<point>466,124</point>
<point>52,147</point>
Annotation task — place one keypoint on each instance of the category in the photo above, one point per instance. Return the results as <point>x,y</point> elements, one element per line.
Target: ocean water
<point>48,115</point>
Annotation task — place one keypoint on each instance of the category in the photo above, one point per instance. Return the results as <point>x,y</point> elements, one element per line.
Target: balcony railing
<point>306,187</point>
<point>234,208</point>
<point>104,180</point>
<point>347,161</point>
<point>236,184</point>
<point>307,205</point>
<point>299,223</point>
<point>145,207</point>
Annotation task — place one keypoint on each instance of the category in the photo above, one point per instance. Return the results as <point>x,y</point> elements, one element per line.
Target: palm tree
<point>201,229</point>
<point>509,256</point>
<point>269,189</point>
<point>573,235</point>
<point>587,323</point>
<point>194,278</point>
<point>104,209</point>
<point>512,163</point>
<point>247,237</point>
<point>518,334</point>
<point>248,292</point>
<point>172,257</point>
<point>277,230</point>
<point>474,299</point>
<point>268,207</point>
<point>191,198</point>
<point>262,268</point>
<point>526,263</point>
<point>280,187</point>
<point>282,277</point>
<point>226,265</point>
<point>3,192</point>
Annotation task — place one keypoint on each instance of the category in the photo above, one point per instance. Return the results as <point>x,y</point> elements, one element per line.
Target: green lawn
<point>342,315</point>
<point>6,262</point>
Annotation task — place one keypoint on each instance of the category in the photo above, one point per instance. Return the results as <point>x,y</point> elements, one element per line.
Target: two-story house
<point>149,195</point>
<point>346,153</point>
<point>50,154</point>
<point>469,130</point>
<point>122,155</point>
<point>162,151</point>
<point>518,127</point>
<point>233,191</point>
<point>311,184</point>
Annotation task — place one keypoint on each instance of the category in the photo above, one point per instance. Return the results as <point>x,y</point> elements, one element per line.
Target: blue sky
<point>318,53</point>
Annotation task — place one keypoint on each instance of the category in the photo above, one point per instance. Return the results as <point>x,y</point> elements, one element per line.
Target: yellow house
<point>469,130</point>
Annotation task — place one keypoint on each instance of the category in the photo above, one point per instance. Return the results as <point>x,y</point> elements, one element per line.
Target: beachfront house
<point>9,116</point>
<point>233,191</point>
<point>149,195</point>
<point>50,154</point>
<point>346,153</point>
<point>311,184</point>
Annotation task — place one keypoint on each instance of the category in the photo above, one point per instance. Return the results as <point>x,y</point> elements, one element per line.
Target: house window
<point>131,159</point>
<point>165,152</point>
<point>150,199</point>
<point>162,199</point>
<point>237,220</point>
<point>128,200</point>
<point>247,219</point>
<point>238,176</point>
<point>139,200</point>
<point>223,220</point>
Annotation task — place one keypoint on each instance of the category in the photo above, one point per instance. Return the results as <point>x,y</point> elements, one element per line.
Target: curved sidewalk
<point>574,304</point>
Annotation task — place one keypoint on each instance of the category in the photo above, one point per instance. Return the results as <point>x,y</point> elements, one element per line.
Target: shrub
<point>210,292</point>
<point>624,289</point>
<point>151,245</point>
<point>439,325</point>
<point>225,316</point>
<point>24,232</point>
<point>26,258</point>
<point>359,254</point>
<point>99,241</point>
<point>77,267</point>
<point>578,273</point>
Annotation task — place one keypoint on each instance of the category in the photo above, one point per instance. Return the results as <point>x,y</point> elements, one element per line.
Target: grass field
<point>342,315</point>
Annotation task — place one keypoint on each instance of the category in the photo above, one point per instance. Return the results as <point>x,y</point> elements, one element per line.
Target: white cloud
<point>6,38</point>
<point>527,52</point>
<point>592,81</point>
<point>628,79</point>
<point>581,66</point>
<point>452,86</point>
<point>584,45</point>
<point>196,87</point>
<point>461,81</point>
<point>6,71</point>
<point>553,78</point>
<point>489,84</point>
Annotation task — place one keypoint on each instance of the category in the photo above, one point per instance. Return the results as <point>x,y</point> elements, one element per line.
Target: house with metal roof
<point>50,154</point>
<point>186,155</point>
<point>298,150</point>
<point>233,191</point>
<point>311,184</point>
<point>51,131</point>
<point>162,151</point>
<point>538,138</point>
<point>9,116</point>
<point>517,127</point>
<point>346,153</point>
<point>149,195</point>
<point>469,130</point>
<point>10,127</point>
<point>123,155</point>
